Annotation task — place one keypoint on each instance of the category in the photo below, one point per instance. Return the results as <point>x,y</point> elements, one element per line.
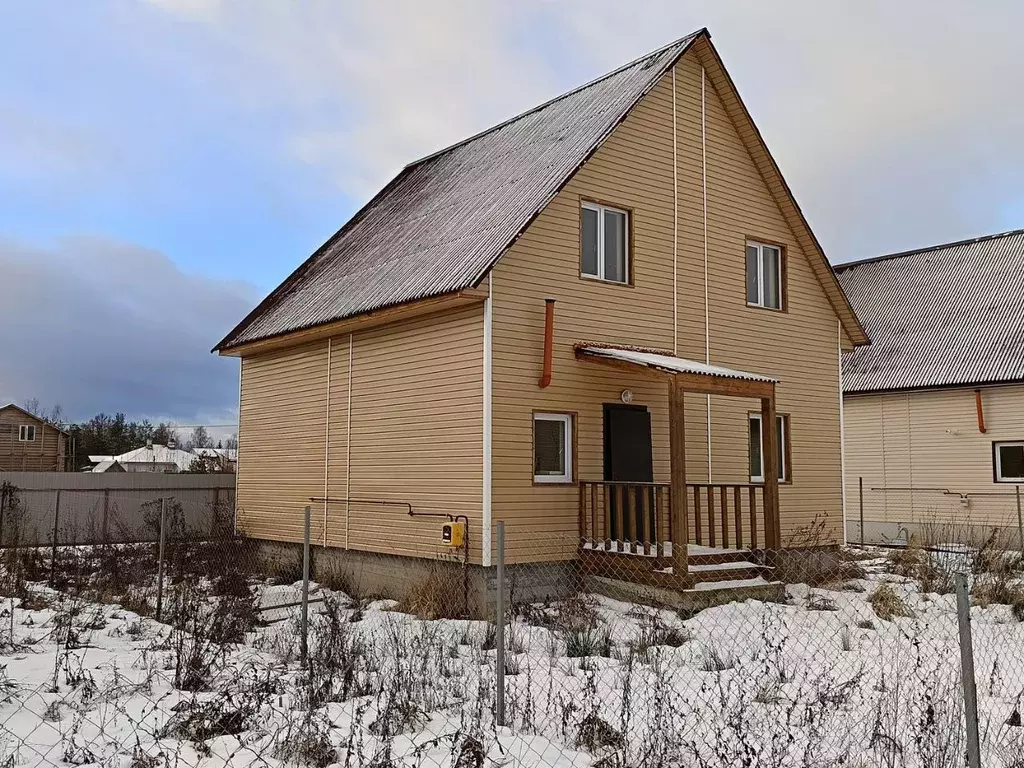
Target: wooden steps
<point>706,570</point>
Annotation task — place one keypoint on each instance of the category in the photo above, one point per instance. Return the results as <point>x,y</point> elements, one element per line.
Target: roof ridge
<point>927,249</point>
<point>559,97</point>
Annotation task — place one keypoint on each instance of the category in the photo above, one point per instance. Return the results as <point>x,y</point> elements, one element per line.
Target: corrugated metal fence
<point>72,508</point>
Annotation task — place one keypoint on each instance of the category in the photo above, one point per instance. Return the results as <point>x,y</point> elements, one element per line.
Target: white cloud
<point>897,124</point>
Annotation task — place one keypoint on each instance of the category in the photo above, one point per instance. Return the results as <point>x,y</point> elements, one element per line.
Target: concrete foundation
<point>426,586</point>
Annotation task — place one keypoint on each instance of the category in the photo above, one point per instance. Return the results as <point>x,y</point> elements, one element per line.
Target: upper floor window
<point>27,433</point>
<point>1009,462</point>
<point>764,275</point>
<point>605,242</point>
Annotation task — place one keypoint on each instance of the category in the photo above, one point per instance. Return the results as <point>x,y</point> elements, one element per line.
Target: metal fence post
<point>160,560</point>
<point>1020,523</point>
<point>963,615</point>
<point>860,501</point>
<point>53,547</point>
<point>304,617</point>
<point>499,624</point>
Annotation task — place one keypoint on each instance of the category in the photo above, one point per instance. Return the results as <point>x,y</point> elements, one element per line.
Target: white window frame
<point>24,430</point>
<point>783,448</point>
<point>760,303</point>
<point>999,460</point>
<point>600,210</point>
<point>566,419</point>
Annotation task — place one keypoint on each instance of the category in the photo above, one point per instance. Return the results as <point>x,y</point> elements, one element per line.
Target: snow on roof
<point>157,454</point>
<point>230,454</point>
<point>670,363</point>
<point>108,465</point>
<point>947,315</point>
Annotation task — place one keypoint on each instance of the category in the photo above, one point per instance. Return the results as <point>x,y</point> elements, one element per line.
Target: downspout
<point>549,332</point>
<point>981,411</point>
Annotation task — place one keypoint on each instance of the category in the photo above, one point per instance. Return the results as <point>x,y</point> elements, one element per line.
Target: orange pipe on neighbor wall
<point>981,412</point>
<point>549,341</point>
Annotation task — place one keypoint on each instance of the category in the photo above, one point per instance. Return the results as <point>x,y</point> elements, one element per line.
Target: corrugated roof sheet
<point>943,316</point>
<point>670,363</point>
<point>440,225</point>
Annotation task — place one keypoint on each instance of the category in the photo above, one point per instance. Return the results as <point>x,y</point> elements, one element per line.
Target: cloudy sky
<point>164,163</point>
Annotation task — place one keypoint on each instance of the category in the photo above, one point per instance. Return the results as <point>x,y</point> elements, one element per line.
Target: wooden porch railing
<point>626,517</point>
<point>727,515</point>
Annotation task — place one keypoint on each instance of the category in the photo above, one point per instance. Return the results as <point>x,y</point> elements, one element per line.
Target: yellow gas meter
<point>453,534</point>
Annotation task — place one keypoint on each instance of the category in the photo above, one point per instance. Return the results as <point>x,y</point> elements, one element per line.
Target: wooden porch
<point>677,534</point>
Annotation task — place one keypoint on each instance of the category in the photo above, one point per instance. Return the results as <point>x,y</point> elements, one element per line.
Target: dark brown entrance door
<point>628,458</point>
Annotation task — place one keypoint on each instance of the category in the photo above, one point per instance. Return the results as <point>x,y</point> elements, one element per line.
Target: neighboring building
<point>150,458</point>
<point>29,444</point>
<point>934,416</point>
<point>219,459</point>
<point>415,362</point>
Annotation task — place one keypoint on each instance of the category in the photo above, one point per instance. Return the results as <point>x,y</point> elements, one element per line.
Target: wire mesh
<point>612,656</point>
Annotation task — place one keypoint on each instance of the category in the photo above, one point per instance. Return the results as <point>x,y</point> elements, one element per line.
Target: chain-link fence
<point>887,514</point>
<point>559,653</point>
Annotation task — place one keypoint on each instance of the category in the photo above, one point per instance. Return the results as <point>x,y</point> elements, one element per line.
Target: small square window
<point>755,447</point>
<point>552,448</point>
<point>1009,461</point>
<point>764,276</point>
<point>27,433</point>
<point>604,240</point>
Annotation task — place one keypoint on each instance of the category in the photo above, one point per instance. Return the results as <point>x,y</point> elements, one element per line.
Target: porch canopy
<point>692,376</point>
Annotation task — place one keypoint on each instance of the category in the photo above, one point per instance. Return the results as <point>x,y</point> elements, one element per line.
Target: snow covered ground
<point>816,680</point>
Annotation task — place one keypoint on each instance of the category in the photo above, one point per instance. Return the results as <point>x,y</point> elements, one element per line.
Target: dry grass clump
<point>906,562</point>
<point>887,604</point>
<point>438,596</point>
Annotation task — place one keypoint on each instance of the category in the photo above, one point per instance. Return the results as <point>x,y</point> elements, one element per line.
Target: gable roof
<point>30,415</point>
<point>444,221</point>
<point>947,315</point>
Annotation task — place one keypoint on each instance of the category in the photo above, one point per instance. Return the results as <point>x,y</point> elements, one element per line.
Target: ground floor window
<point>552,448</point>
<point>781,446</point>
<point>1009,462</point>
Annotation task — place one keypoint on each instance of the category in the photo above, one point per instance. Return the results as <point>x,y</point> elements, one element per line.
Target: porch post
<point>677,451</point>
<point>769,452</point>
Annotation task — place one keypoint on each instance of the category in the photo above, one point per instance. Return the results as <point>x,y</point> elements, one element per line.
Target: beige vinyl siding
<point>44,454</point>
<point>282,427</point>
<point>634,170</point>
<point>910,447</point>
<point>797,346</point>
<point>417,433</point>
<point>414,437</point>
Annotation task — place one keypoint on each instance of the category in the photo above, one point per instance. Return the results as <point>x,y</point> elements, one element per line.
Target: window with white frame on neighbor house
<point>604,237</point>
<point>1009,462</point>
<point>552,448</point>
<point>781,447</point>
<point>27,433</point>
<point>764,275</point>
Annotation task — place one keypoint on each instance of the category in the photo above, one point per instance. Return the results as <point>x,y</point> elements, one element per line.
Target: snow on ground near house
<point>591,681</point>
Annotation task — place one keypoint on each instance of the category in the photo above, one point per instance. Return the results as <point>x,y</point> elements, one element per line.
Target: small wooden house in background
<point>29,444</point>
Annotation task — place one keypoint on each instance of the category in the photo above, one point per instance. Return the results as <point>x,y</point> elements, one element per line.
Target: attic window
<point>27,433</point>
<point>604,239</point>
